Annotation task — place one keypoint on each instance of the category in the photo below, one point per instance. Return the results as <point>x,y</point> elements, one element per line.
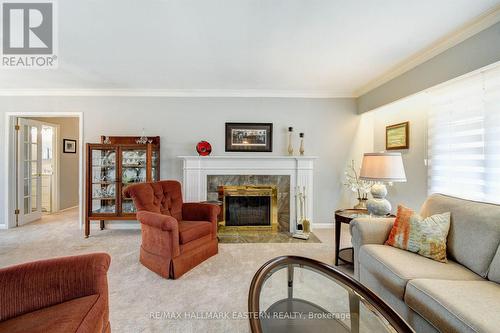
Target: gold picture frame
<point>397,136</point>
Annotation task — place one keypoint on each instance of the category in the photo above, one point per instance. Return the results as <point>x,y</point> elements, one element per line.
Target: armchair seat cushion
<point>456,306</point>
<point>192,230</point>
<point>65,317</point>
<point>393,267</point>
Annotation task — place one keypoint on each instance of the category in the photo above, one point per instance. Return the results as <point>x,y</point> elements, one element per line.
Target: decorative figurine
<point>290,145</point>
<point>301,149</point>
<point>143,139</point>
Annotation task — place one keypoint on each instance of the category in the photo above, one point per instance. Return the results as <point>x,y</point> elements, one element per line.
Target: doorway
<point>50,174</point>
<point>37,170</point>
<point>42,178</point>
<point>37,192</point>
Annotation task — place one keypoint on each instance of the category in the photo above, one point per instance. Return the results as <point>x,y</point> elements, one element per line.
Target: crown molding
<point>456,37</point>
<point>249,93</point>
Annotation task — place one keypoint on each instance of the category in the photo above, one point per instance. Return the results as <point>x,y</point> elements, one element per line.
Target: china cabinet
<point>111,165</point>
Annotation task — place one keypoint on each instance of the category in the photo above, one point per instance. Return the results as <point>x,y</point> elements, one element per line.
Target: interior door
<point>29,170</point>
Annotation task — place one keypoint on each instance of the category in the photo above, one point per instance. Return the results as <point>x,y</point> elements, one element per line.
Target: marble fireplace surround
<point>282,183</point>
<point>292,171</point>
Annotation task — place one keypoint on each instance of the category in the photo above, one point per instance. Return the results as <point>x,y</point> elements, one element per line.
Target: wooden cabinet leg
<point>102,224</point>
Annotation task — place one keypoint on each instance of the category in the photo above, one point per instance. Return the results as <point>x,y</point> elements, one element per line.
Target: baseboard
<point>322,226</point>
<point>65,209</point>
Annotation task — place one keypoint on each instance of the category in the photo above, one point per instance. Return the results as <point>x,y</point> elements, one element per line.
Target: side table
<point>346,216</point>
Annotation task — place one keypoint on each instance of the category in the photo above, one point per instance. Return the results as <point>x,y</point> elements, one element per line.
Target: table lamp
<point>381,168</point>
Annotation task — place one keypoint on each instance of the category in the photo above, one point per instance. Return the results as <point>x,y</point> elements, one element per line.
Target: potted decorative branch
<point>356,185</point>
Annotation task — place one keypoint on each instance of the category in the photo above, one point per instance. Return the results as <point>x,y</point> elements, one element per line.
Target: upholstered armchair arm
<point>156,220</point>
<point>368,231</point>
<point>160,234</point>
<point>31,286</point>
<point>201,212</point>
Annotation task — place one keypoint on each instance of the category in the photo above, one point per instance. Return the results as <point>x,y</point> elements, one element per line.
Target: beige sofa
<point>462,295</point>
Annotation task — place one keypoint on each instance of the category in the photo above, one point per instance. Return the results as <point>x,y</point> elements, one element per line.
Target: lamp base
<point>378,205</point>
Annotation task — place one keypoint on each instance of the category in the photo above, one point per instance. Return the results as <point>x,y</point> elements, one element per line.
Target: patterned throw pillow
<point>426,237</point>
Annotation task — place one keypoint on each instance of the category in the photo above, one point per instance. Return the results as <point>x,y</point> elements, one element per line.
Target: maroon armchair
<point>68,294</point>
<point>176,236</point>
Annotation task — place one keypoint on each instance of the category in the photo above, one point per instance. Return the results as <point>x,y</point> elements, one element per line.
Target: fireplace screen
<point>252,207</point>
<point>248,210</point>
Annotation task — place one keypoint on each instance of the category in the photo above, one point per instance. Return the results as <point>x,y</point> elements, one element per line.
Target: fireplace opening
<point>250,207</point>
<point>248,210</point>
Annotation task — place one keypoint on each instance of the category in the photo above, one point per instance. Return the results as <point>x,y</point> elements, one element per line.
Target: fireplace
<point>203,175</point>
<point>250,207</point>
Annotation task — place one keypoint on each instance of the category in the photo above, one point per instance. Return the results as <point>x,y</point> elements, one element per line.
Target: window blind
<point>464,138</point>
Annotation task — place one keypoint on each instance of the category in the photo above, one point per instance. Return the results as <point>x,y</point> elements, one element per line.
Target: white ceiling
<point>315,46</point>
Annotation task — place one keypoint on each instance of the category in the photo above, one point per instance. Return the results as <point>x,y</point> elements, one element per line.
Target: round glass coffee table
<point>295,294</point>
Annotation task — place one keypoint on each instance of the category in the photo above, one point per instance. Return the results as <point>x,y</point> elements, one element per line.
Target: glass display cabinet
<point>112,165</point>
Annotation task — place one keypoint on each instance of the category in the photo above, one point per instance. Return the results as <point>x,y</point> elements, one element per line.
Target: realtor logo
<point>28,35</point>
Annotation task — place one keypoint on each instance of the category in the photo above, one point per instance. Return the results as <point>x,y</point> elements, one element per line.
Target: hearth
<point>249,207</point>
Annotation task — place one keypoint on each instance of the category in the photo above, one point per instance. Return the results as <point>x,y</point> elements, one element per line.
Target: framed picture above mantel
<point>249,137</point>
<point>397,136</point>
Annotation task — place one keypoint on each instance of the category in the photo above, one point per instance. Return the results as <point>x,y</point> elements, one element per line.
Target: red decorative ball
<point>203,148</point>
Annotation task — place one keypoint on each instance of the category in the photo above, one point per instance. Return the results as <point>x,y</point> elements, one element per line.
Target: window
<point>464,138</point>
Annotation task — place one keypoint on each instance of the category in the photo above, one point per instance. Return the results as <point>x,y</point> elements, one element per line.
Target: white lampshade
<point>386,167</point>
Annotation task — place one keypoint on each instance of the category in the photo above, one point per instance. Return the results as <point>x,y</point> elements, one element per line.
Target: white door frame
<point>10,163</point>
<point>56,162</point>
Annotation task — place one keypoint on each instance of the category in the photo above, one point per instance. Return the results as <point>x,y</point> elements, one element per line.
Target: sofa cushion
<point>456,306</point>
<point>494,271</point>
<point>64,317</point>
<point>191,230</point>
<point>474,231</point>
<point>394,267</point>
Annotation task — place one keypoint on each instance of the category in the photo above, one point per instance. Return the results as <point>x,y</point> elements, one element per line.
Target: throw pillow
<point>426,237</point>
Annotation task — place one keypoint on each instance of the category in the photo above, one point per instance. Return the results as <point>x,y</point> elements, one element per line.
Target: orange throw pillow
<point>400,232</point>
<point>426,237</point>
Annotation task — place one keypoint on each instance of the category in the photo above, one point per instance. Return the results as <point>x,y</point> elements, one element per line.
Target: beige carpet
<point>220,284</point>
<point>246,236</point>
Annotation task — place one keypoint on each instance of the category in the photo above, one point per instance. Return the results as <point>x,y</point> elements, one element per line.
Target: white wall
<point>415,110</point>
<point>362,142</point>
<point>68,163</point>
<point>329,126</point>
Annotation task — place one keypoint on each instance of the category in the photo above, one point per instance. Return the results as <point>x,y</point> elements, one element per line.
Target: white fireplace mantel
<point>299,168</point>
